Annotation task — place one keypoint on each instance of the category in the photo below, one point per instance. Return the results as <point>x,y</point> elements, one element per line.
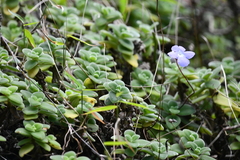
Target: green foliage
<point>116,92</point>
<point>36,133</point>
<point>149,118</point>
<point>36,60</point>
<point>86,72</point>
<point>143,83</point>
<point>122,38</point>
<point>194,146</point>
<point>12,30</point>
<point>2,139</point>
<point>173,112</point>
<point>36,104</point>
<point>68,155</point>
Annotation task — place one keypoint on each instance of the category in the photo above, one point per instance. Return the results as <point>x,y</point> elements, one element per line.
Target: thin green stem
<point>193,92</point>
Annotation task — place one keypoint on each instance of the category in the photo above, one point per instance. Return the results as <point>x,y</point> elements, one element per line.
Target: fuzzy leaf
<point>44,145</point>
<point>26,149</point>
<point>172,121</point>
<point>69,113</point>
<point>16,99</point>
<point>39,135</point>
<point>25,141</point>
<point>49,107</point>
<point>2,139</point>
<point>132,59</point>
<point>30,64</point>
<point>23,132</point>
<point>54,144</point>
<point>235,146</point>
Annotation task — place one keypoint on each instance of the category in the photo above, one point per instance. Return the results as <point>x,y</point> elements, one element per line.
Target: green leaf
<point>29,37</point>
<point>158,127</point>
<point>223,100</point>
<point>16,99</point>
<point>30,64</point>
<point>113,98</point>
<point>56,157</point>
<point>205,157</point>
<point>186,110</point>
<point>92,126</point>
<point>119,151</point>
<point>101,109</point>
<point>3,99</point>
<point>82,158</point>
<point>70,154</point>
<point>130,152</point>
<point>177,148</point>
<point>29,24</point>
<point>163,39</point>
<point>45,59</point>
<point>23,132</point>
<point>235,146</point>
<point>174,111</point>
<point>33,72</point>
<point>30,110</point>
<point>69,113</point>
<point>172,121</point>
<point>44,145</point>
<point>213,84</point>
<point>134,104</point>
<point>30,117</point>
<point>200,143</point>
<point>115,143</point>
<point>16,15</point>
<point>126,43</point>
<point>78,83</point>
<point>205,130</point>
<point>54,144</point>
<point>125,51</point>
<point>48,107</point>
<point>131,59</point>
<point>2,139</point>
<point>39,135</point>
<point>26,149</point>
<point>79,40</point>
<point>123,5</point>
<point>25,141</point>
<point>58,43</point>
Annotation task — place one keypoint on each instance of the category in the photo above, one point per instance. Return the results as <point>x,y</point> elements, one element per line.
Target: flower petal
<point>175,48</point>
<point>183,61</point>
<point>189,54</point>
<point>173,55</point>
<point>182,48</point>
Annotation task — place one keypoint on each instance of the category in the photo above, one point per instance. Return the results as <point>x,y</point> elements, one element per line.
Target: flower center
<point>180,53</point>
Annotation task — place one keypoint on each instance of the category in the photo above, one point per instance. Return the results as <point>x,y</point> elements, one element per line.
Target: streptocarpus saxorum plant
<point>143,84</point>
<point>181,56</point>
<point>69,103</point>
<point>192,146</point>
<point>116,92</point>
<point>35,133</point>
<point>36,103</point>
<point>122,39</point>
<point>36,60</point>
<point>10,94</point>
<point>173,112</point>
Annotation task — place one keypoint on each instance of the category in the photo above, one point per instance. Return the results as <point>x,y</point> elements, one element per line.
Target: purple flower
<point>181,55</point>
